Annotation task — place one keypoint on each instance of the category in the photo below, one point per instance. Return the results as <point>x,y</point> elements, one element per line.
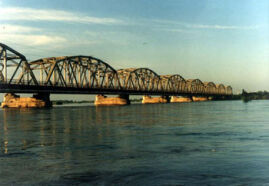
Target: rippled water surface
<point>207,143</point>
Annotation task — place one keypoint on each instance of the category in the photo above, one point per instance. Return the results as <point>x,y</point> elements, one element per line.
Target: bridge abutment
<point>151,100</point>
<point>12,100</point>
<point>101,100</point>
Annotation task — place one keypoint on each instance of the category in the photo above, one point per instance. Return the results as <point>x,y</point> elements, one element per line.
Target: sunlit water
<point>206,143</point>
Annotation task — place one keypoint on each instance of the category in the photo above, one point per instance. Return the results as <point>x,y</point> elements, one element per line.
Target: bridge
<point>89,75</point>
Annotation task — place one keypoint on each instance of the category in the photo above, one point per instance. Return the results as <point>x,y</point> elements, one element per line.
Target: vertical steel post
<point>65,73</point>
<point>41,76</point>
<point>53,77</point>
<point>28,72</point>
<point>5,65</point>
<point>98,78</point>
<point>107,78</point>
<point>68,73</point>
<point>90,78</point>
<point>79,78</point>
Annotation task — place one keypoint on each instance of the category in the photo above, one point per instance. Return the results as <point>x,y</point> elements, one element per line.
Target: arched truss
<point>173,83</point>
<point>221,89</point>
<point>210,88</point>
<point>229,90</point>
<point>75,71</point>
<point>139,79</point>
<point>90,72</point>
<point>195,86</point>
<point>14,68</point>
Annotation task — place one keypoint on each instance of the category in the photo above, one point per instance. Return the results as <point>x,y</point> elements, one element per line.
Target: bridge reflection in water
<point>89,75</point>
<point>43,128</point>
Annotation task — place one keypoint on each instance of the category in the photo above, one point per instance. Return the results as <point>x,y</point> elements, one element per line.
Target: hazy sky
<point>221,41</point>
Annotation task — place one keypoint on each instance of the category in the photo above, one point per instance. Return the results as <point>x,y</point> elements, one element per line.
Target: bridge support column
<point>12,100</point>
<point>45,97</point>
<point>101,100</point>
<point>175,99</point>
<point>149,99</point>
<point>195,98</point>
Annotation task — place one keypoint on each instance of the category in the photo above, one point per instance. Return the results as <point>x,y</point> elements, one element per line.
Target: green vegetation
<point>245,96</point>
<point>260,95</point>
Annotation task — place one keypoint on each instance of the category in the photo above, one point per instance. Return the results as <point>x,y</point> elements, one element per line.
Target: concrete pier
<point>149,100</point>
<point>101,100</point>
<point>194,98</point>
<point>175,99</point>
<point>12,100</point>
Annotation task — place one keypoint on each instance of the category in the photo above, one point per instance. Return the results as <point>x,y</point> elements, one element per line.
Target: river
<point>205,143</point>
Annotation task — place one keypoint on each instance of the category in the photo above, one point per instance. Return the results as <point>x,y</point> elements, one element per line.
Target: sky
<point>224,41</point>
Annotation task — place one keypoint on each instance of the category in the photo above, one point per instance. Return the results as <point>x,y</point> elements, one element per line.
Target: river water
<point>206,143</point>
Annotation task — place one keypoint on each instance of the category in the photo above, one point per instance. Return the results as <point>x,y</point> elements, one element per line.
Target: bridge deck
<point>8,88</point>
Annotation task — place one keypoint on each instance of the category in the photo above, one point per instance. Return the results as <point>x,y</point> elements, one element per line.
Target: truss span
<point>139,79</point>
<point>14,67</point>
<point>75,71</point>
<point>195,86</point>
<point>229,90</point>
<point>86,74</point>
<point>210,87</point>
<point>221,89</point>
<point>173,83</point>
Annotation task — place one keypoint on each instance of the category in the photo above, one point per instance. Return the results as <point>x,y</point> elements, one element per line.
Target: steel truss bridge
<point>89,75</point>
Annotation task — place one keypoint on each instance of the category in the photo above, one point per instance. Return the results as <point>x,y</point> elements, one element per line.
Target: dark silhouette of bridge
<point>89,75</point>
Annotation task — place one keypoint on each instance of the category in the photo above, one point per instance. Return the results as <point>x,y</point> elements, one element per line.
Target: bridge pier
<point>175,99</point>
<point>45,97</point>
<point>39,100</point>
<point>101,100</point>
<point>149,99</point>
<point>196,98</point>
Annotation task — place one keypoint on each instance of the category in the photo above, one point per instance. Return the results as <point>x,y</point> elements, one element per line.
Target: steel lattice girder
<point>195,86</point>
<point>93,74</point>
<point>76,71</point>
<point>139,79</point>
<point>229,90</point>
<point>210,87</point>
<point>221,89</point>
<point>173,83</point>
<point>14,67</point>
